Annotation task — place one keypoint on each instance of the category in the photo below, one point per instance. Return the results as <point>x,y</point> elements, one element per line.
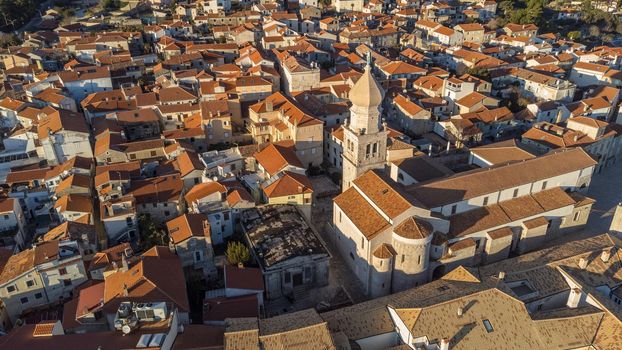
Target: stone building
<point>365,138</point>
<point>395,232</point>
<point>291,255</point>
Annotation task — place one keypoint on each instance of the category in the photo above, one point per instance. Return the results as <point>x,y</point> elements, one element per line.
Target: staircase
<point>300,293</point>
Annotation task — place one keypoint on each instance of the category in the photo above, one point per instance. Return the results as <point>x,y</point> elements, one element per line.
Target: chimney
<point>125,290</point>
<point>124,262</point>
<point>269,106</point>
<point>576,137</point>
<point>501,275</point>
<point>582,263</point>
<point>605,255</point>
<point>460,311</point>
<point>444,344</point>
<point>574,298</point>
<point>109,209</point>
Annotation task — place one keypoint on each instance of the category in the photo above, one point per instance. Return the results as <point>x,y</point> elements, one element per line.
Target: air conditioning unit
<point>150,311</point>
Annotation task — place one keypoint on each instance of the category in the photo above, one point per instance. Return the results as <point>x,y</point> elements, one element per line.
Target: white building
<point>45,274</point>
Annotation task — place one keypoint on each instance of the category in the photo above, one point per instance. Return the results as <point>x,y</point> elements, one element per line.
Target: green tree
<point>574,35</point>
<point>237,253</point>
<point>150,233</point>
<point>481,73</point>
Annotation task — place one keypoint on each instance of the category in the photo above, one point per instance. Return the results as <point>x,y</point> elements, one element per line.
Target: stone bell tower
<point>364,136</point>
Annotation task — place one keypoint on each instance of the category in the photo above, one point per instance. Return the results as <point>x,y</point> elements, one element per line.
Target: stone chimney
<point>574,298</point>
<point>444,344</point>
<point>582,263</point>
<point>605,255</point>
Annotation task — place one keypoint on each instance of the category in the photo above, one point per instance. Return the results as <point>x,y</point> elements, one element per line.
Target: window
<point>30,283</point>
<point>577,215</point>
<point>67,282</point>
<point>351,256</point>
<point>367,150</point>
<point>166,213</point>
<point>62,271</point>
<point>339,216</point>
<point>488,326</point>
<point>419,260</point>
<point>38,296</point>
<point>153,153</point>
<point>375,149</point>
<point>6,217</point>
<point>197,256</point>
<point>362,242</point>
<point>454,208</point>
<point>11,289</point>
<point>288,277</point>
<point>24,300</point>
<point>403,258</point>
<point>225,215</point>
<point>515,193</point>
<point>485,201</point>
<point>544,185</point>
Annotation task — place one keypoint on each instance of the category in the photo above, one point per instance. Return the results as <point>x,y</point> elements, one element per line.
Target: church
<point>400,224</point>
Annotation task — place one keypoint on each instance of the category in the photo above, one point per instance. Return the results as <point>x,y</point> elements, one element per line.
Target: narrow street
<point>340,274</point>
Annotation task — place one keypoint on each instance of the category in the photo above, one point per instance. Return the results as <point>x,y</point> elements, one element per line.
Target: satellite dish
<point>126,329</point>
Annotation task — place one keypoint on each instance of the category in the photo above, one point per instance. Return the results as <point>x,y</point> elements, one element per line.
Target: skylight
<point>488,326</point>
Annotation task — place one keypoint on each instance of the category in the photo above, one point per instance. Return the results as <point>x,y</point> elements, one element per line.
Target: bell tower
<point>365,137</point>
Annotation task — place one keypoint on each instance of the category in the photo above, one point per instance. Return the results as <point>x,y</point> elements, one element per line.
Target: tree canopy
<point>150,233</point>
<point>15,13</point>
<point>522,11</point>
<point>237,253</point>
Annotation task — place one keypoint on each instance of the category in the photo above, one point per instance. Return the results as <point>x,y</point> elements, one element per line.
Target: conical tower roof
<point>366,92</point>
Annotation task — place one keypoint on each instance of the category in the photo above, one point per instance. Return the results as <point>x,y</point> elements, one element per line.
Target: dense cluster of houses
<point>137,144</point>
